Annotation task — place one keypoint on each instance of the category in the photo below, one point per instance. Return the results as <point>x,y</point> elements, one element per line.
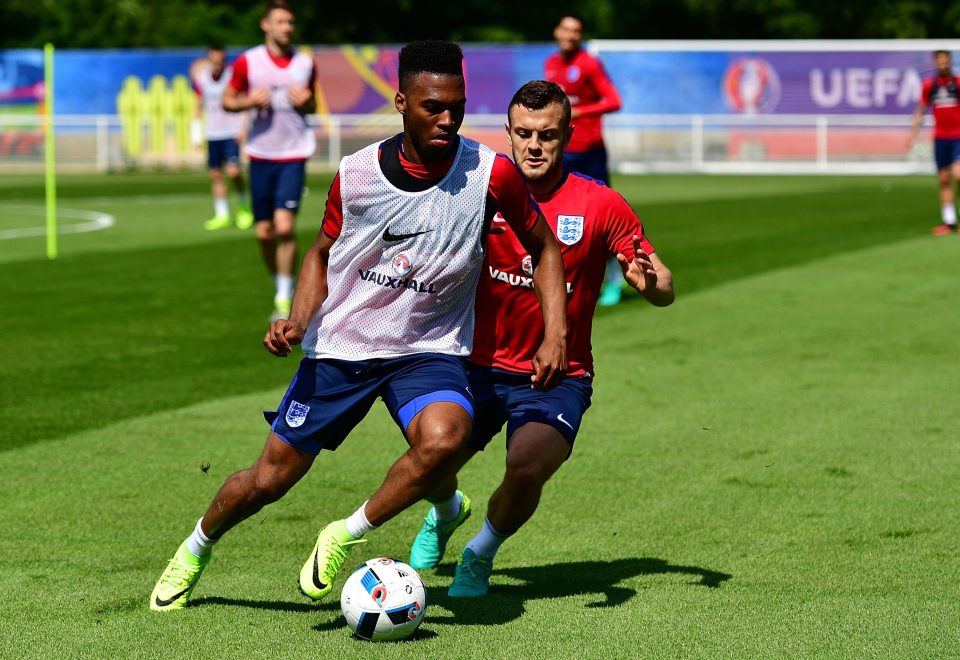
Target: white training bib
<point>402,276</point>
<point>279,132</point>
<point>221,125</point>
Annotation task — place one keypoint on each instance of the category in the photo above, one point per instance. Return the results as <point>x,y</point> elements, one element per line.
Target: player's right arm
<point>311,289</point>
<point>921,109</point>
<point>238,96</point>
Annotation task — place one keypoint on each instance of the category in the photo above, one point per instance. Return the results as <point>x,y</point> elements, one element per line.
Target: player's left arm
<point>647,274</point>
<point>609,98</point>
<point>642,267</point>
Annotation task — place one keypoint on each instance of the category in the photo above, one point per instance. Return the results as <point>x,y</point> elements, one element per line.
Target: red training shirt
<point>591,221</point>
<point>942,94</point>
<point>585,81</point>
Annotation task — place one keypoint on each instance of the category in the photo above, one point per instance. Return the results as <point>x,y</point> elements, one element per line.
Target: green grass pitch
<point>769,469</point>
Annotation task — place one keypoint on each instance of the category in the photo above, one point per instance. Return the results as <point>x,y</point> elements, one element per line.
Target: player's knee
<point>264,231</point>
<point>440,441</point>
<point>216,175</point>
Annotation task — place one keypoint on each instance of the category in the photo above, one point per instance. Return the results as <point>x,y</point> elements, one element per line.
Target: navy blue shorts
<point>592,163</point>
<point>221,152</point>
<point>276,186</point>
<point>506,397</point>
<point>946,152</point>
<point>328,398</point>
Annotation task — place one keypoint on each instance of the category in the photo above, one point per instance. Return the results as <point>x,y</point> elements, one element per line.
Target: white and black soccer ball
<point>384,600</point>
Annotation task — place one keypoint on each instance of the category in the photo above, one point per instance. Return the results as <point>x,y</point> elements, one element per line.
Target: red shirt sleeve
<point>510,194</point>
<point>240,81</point>
<point>621,224</point>
<point>609,96</point>
<point>333,212</point>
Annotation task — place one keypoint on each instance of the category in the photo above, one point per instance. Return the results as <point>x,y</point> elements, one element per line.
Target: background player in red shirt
<point>592,95</point>
<point>942,93</point>
<point>591,221</point>
<point>273,83</point>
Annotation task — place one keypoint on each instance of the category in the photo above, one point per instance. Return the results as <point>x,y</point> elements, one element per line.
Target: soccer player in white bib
<point>385,309</point>
<point>274,84</point>
<point>222,130</point>
<point>592,222</point>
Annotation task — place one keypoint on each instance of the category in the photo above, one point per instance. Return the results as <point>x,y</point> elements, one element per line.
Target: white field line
<point>94,221</point>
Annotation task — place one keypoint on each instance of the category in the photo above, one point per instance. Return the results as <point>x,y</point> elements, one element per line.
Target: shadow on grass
<point>507,602</point>
<point>274,605</point>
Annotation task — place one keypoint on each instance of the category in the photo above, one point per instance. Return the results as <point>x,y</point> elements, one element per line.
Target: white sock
<point>284,286</point>
<point>447,509</point>
<point>198,544</point>
<point>357,525</point>
<point>949,214</point>
<point>487,541</point>
<point>221,207</point>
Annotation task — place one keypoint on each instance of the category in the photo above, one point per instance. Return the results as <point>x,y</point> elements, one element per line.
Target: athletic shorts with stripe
<point>328,398</point>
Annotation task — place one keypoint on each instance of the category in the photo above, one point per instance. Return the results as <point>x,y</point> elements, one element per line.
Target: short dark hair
<point>277,4</point>
<point>538,94</point>
<point>216,46</point>
<point>575,16</point>
<point>938,53</point>
<point>429,56</point>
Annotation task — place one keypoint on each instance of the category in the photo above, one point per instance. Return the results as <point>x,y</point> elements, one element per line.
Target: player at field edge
<point>274,84</point>
<point>592,94</point>
<point>941,92</point>
<point>385,308</point>
<point>223,131</point>
<point>591,221</point>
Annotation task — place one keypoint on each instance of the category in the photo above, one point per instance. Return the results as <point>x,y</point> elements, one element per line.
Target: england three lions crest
<point>569,228</point>
<point>296,414</point>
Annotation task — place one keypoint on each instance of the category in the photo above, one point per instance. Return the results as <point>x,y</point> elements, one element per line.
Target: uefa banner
<point>774,82</point>
<point>682,81</point>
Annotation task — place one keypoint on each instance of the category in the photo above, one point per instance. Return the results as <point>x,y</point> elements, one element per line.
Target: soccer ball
<point>384,600</point>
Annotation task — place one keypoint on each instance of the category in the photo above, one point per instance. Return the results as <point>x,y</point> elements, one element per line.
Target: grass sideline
<point>769,467</point>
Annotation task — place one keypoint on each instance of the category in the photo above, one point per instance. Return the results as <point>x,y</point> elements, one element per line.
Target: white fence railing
<point>774,144</point>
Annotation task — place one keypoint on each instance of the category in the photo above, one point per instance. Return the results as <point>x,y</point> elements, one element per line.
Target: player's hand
<point>549,364</point>
<point>298,96</point>
<point>639,271</point>
<point>282,336</point>
<point>259,98</point>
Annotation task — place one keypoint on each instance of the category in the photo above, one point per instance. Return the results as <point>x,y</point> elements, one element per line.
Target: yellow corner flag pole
<point>50,153</point>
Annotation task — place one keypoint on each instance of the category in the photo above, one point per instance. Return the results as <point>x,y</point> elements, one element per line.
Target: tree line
<point>172,23</point>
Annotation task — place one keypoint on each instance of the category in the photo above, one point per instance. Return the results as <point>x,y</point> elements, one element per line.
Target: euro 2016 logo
<point>751,85</point>
<point>401,265</point>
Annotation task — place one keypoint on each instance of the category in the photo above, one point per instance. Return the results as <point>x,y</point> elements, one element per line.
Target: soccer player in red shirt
<point>273,83</point>
<point>942,93</point>
<point>591,221</point>
<point>592,95</point>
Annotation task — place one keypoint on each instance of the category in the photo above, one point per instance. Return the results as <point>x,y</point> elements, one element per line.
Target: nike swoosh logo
<point>563,421</point>
<point>316,572</point>
<point>163,602</point>
<point>393,238</point>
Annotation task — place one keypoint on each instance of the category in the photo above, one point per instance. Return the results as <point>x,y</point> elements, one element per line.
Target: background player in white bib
<point>223,131</point>
<point>384,309</point>
<point>275,84</point>
<point>592,222</point>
